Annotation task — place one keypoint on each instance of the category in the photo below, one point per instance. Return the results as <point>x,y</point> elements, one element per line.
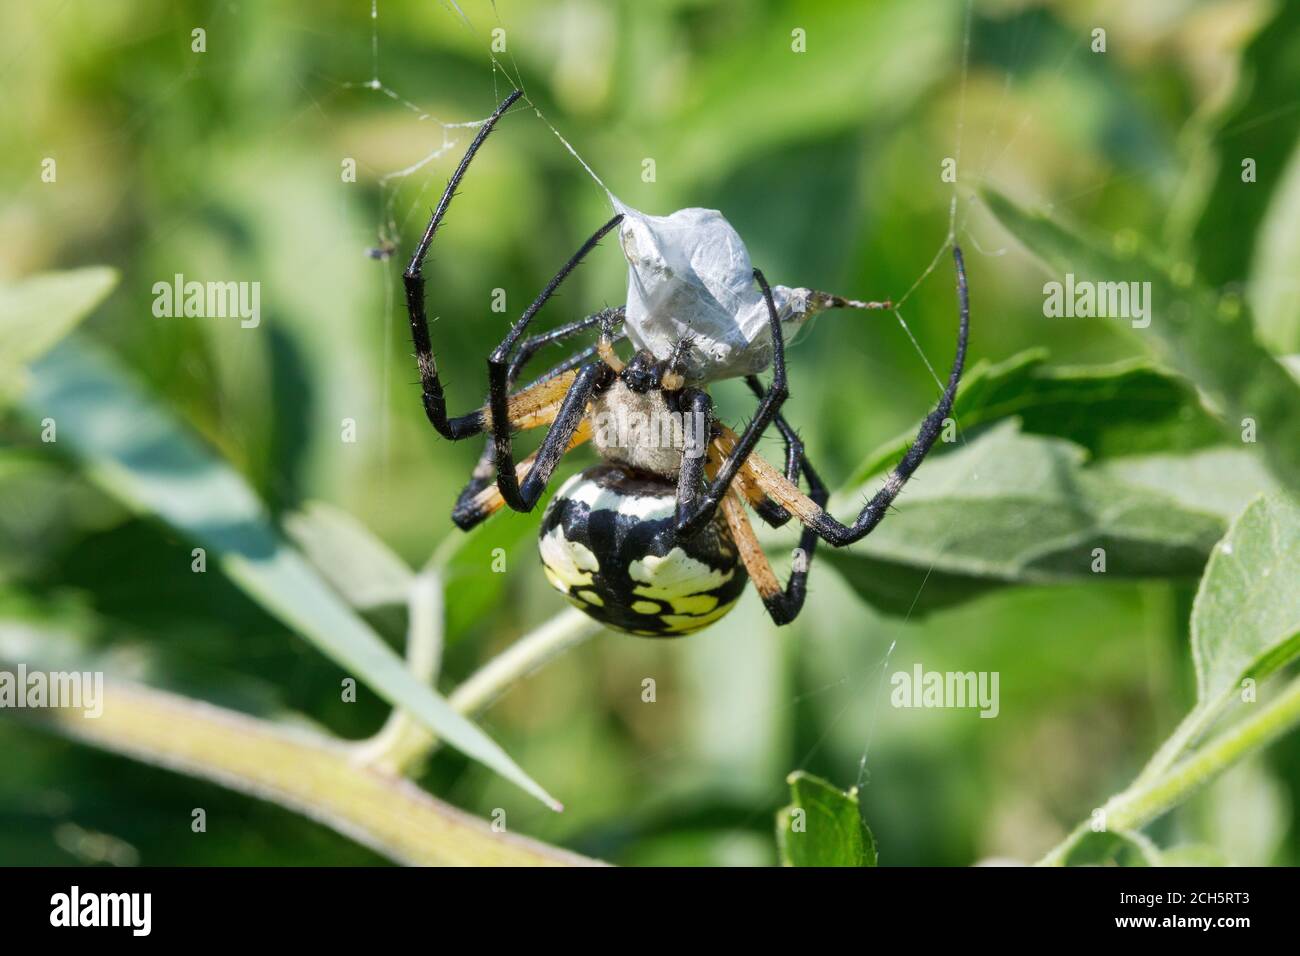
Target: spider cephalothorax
<point>656,539</point>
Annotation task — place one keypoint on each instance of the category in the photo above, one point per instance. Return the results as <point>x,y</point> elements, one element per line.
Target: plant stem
<point>1191,727</point>
<point>566,630</point>
<point>303,770</point>
<point>1143,802</point>
<point>355,788</point>
<point>403,741</point>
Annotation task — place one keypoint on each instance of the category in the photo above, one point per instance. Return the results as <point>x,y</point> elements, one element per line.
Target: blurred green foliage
<point>226,165</point>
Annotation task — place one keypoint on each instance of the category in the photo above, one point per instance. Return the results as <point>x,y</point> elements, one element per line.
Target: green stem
<point>1143,802</point>
<point>566,630</point>
<point>355,788</point>
<point>403,741</point>
<point>305,771</point>
<point>1188,731</point>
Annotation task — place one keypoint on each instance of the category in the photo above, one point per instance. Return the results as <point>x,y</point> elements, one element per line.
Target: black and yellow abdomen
<point>607,545</point>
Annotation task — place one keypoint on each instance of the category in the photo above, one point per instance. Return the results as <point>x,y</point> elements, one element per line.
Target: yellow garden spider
<point>655,540</point>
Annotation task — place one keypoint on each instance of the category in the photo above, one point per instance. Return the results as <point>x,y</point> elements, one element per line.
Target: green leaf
<point>360,567</point>
<point>36,312</point>
<point>1274,285</point>
<point>1009,508</point>
<point>1245,623</point>
<point>1166,780</point>
<point>1208,339</point>
<point>1259,122</point>
<point>372,578</point>
<point>1122,408</point>
<point>1219,481</point>
<point>1246,619</point>
<point>136,450</point>
<point>822,826</point>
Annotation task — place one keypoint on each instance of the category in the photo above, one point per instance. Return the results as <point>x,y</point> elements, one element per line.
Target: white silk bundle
<point>689,274</point>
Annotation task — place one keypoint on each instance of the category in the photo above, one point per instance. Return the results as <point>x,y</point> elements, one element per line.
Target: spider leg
<point>699,408</point>
<point>529,346</point>
<point>700,511</point>
<point>767,509</point>
<point>498,415</point>
<point>783,604</point>
<point>811,511</point>
<point>435,403</point>
<point>434,400</point>
<point>561,403</point>
<point>532,407</point>
<point>500,355</point>
<point>474,504</point>
<point>523,496</point>
<point>481,498</point>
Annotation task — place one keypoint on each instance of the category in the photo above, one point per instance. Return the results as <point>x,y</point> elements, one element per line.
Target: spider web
<point>397,216</point>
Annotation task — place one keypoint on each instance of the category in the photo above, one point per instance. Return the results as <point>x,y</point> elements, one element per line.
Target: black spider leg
<point>534,343</point>
<point>827,528</point>
<point>466,514</point>
<point>838,535</point>
<point>554,445</point>
<point>785,606</point>
<point>435,403</point>
<point>771,512</point>
<point>698,407</point>
<point>517,497</point>
<point>695,510</point>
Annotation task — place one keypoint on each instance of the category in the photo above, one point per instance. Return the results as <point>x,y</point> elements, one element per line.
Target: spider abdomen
<point>607,544</point>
